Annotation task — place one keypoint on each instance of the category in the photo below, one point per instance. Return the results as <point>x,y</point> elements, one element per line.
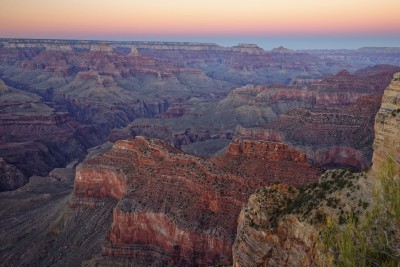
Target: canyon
<point>331,120</point>
<point>159,205</point>
<point>186,154</point>
<point>280,225</point>
<point>189,94</point>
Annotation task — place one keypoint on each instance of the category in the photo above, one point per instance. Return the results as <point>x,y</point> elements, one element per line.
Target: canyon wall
<point>280,225</point>
<point>178,209</point>
<point>332,121</point>
<point>387,127</point>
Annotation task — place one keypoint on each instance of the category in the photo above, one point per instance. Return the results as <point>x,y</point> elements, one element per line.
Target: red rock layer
<point>179,209</point>
<point>332,121</point>
<point>332,137</point>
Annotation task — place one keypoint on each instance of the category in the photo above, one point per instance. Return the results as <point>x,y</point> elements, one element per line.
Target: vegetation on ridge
<point>373,239</point>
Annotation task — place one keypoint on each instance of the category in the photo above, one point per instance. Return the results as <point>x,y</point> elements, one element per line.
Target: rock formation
<point>337,113</point>
<point>362,57</point>
<point>280,224</point>
<point>10,177</point>
<point>264,240</point>
<point>387,126</point>
<point>60,98</point>
<point>35,138</point>
<point>106,85</point>
<point>332,121</point>
<point>178,209</point>
<point>144,202</point>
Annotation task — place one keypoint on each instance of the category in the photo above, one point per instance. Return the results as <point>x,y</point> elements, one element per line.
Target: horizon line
<point>221,41</point>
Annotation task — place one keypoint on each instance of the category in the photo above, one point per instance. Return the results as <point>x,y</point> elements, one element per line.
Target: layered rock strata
<point>262,240</point>
<point>35,137</point>
<point>387,126</point>
<point>279,226</point>
<point>178,209</point>
<point>332,121</point>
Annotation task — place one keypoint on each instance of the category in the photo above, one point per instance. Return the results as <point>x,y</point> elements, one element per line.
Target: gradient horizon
<point>291,23</point>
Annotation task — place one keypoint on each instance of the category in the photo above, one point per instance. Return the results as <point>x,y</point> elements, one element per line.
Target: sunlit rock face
<point>174,208</point>
<point>387,127</point>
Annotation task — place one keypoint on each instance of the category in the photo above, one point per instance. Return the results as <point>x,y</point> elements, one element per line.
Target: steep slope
<point>387,126</point>
<point>39,229</point>
<point>335,127</point>
<point>331,120</point>
<point>150,182</point>
<point>36,138</point>
<point>280,224</point>
<point>59,98</point>
<point>10,177</point>
<point>184,208</point>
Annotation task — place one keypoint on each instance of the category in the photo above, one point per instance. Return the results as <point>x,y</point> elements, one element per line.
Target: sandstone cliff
<point>59,98</point>
<point>387,126</point>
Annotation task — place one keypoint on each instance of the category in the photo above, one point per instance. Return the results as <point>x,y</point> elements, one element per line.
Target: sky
<point>296,24</point>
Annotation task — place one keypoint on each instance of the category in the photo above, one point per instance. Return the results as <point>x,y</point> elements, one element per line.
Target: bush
<point>374,239</point>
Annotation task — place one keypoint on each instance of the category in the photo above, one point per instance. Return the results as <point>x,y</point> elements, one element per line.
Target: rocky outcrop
<point>331,121</point>
<point>280,224</point>
<point>175,137</point>
<point>10,177</point>
<point>184,208</point>
<point>257,133</point>
<point>103,47</point>
<point>387,126</point>
<point>262,240</point>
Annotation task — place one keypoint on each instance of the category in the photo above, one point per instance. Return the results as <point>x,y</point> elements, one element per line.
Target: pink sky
<point>125,18</point>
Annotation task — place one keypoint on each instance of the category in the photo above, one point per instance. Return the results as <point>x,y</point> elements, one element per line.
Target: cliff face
<point>262,240</point>
<point>35,137</point>
<point>179,209</point>
<point>332,121</point>
<point>387,126</point>
<point>279,226</point>
<point>59,98</point>
<point>94,87</point>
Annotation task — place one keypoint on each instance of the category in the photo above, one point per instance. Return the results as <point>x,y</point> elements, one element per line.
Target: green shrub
<point>373,239</point>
